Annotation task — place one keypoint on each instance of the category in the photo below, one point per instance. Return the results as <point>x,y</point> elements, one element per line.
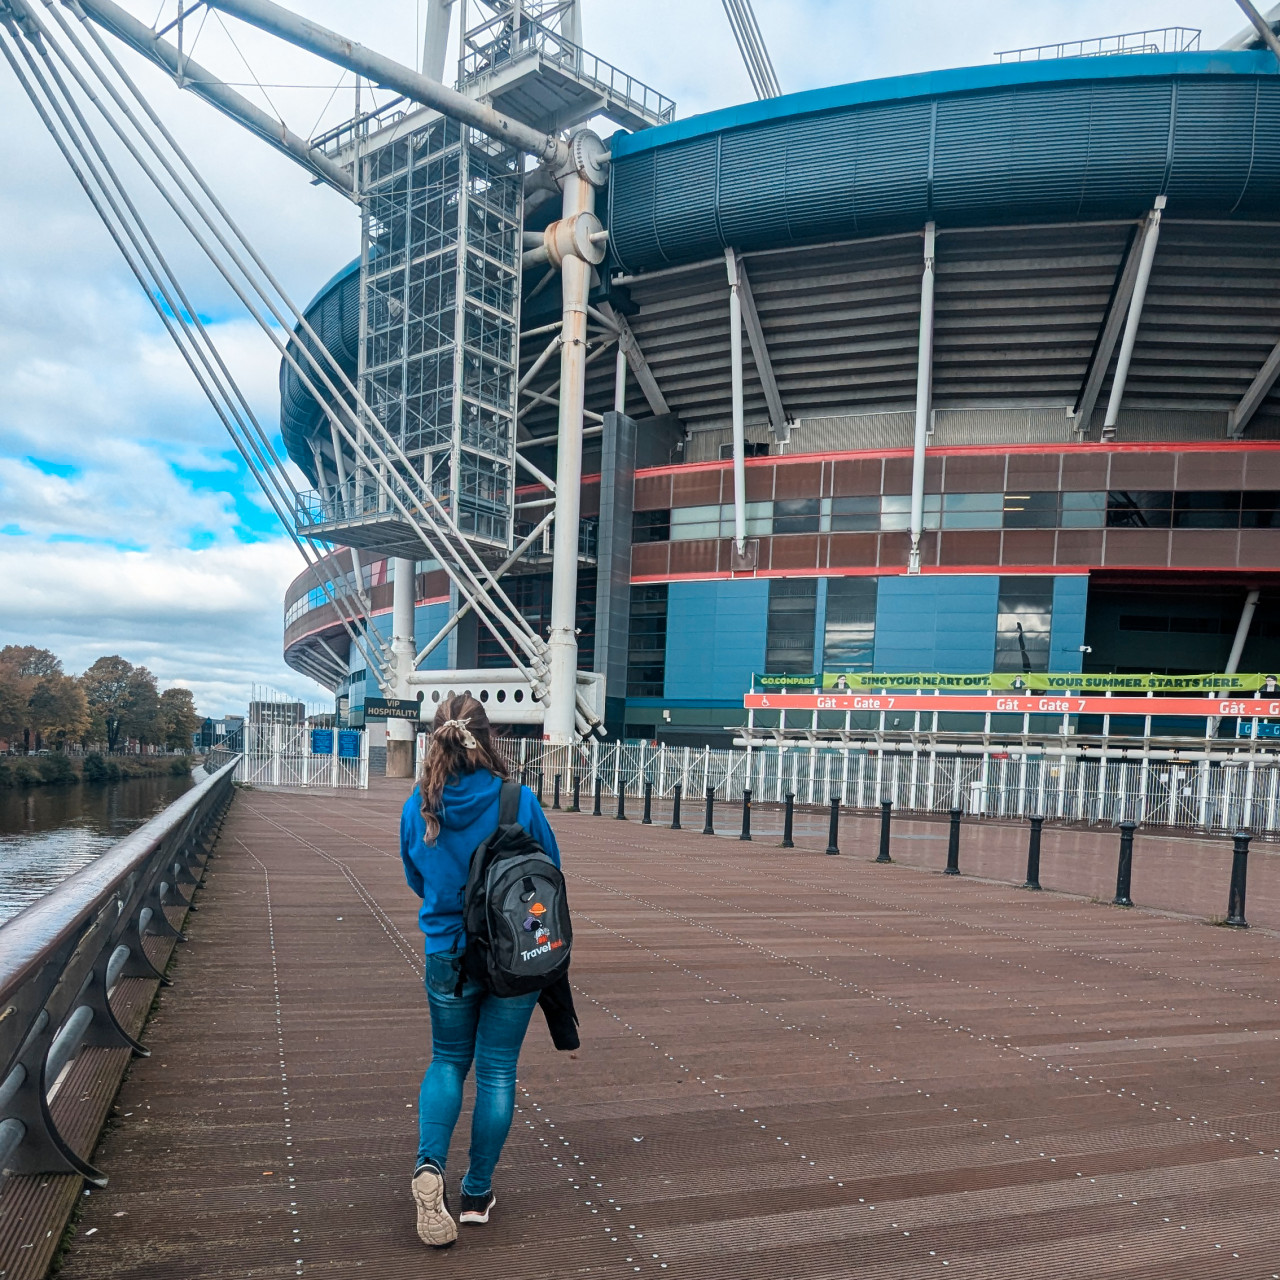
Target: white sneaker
<point>435,1226</point>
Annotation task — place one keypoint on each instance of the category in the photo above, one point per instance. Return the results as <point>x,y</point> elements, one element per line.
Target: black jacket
<point>556,1002</point>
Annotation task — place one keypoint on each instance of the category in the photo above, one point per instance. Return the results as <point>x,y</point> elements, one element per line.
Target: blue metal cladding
<point>715,638</point>
<point>427,620</point>
<point>334,314</point>
<point>936,623</point>
<point>1066,635</point>
<point>987,145</point>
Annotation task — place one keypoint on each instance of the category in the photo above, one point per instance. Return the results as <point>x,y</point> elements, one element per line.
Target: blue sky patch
<point>65,470</point>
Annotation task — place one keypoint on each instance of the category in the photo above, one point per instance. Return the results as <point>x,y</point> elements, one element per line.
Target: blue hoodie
<point>437,873</point>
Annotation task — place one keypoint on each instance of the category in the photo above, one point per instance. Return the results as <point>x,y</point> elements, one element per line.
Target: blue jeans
<point>473,1024</point>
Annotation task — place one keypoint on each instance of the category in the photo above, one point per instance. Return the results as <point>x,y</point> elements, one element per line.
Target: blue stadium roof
<point>1062,140</point>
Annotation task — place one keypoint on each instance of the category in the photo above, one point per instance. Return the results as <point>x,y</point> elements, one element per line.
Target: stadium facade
<point>1070,266</point>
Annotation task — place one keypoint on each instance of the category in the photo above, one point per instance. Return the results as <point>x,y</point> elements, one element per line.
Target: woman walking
<point>452,809</point>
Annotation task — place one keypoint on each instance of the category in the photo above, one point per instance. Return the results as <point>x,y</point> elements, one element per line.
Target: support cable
<point>473,583</point>
<point>135,255</point>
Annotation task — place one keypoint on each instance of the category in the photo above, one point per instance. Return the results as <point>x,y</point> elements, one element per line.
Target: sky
<point>128,523</point>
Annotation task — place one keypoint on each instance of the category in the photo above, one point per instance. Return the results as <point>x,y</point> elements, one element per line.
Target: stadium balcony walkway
<point>792,1066</point>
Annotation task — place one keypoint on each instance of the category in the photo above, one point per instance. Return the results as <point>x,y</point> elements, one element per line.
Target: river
<point>46,833</point>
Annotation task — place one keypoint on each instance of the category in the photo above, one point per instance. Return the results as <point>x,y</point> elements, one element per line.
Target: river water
<point>46,833</point>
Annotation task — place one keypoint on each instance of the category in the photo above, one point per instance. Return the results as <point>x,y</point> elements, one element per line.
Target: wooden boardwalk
<point>792,1066</point>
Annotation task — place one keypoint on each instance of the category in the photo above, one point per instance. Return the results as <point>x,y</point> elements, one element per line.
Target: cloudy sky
<point>127,524</point>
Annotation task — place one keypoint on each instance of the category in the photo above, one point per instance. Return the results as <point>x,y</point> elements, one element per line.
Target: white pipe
<point>739,431</point>
<point>1242,632</point>
<point>924,390</point>
<point>620,382</point>
<point>575,283</point>
<point>1134,317</point>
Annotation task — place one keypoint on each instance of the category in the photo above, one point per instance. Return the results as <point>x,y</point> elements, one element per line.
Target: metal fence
<point>63,964</point>
<point>280,755</point>
<point>1203,795</point>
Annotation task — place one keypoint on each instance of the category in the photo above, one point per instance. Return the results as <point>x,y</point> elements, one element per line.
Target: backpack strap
<point>509,804</point>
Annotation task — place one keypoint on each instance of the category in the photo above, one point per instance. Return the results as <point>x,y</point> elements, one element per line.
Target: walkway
<point>792,1066</point>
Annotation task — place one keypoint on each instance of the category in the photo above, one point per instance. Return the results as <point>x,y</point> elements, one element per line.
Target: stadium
<point>1068,267</point>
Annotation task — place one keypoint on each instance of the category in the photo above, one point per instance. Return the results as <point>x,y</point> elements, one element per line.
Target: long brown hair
<point>460,743</point>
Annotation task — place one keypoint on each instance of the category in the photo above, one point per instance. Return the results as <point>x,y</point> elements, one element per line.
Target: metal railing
<point>586,68</point>
<point>1156,40</point>
<point>1200,795</point>
<point>344,135</point>
<point>62,958</point>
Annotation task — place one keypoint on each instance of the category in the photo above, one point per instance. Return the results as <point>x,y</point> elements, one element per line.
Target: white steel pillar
<point>575,283</point>
<point>924,393</point>
<point>739,430</point>
<point>404,649</point>
<point>1134,319</point>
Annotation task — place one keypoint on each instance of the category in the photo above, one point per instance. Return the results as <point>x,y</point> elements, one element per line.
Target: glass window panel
<point>695,522</point>
<point>1024,618</point>
<point>789,635</point>
<point>972,502</point>
<point>1206,509</point>
<point>646,649</point>
<point>796,515</point>
<point>651,526</point>
<point>1139,509</point>
<point>1084,510</point>
<point>1031,510</point>
<point>972,519</point>
<point>850,633</point>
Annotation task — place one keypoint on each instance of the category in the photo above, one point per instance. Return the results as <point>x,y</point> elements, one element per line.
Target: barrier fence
<point>78,971</point>
<point>1204,795</point>
<point>283,755</point>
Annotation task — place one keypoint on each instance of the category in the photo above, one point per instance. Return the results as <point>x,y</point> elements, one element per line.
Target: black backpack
<point>515,909</point>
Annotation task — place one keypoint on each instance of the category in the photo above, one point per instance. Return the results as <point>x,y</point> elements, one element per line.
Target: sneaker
<point>435,1226</point>
<point>476,1208</point>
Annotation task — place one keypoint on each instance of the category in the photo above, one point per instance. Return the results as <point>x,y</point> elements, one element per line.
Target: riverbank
<point>56,770</point>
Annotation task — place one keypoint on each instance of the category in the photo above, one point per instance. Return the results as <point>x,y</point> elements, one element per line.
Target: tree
<point>106,686</point>
<point>179,718</point>
<point>22,667</point>
<point>58,708</point>
<point>141,718</point>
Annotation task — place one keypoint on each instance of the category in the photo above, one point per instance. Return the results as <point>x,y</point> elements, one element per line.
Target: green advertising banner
<point>809,681</point>
<point>1039,682</point>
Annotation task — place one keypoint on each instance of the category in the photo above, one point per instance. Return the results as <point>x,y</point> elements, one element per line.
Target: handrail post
<point>675,806</point>
<point>708,826</point>
<point>1033,854</point>
<point>746,814</point>
<point>1239,876</point>
<point>886,816</point>
<point>833,827</point>
<point>647,820</point>
<point>788,819</point>
<point>953,845</point>
<point>1124,868</point>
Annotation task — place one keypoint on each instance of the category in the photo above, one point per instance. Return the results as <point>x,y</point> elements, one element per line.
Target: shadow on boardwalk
<point>792,1066</point>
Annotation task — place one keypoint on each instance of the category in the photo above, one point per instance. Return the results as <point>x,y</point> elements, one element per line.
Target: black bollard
<point>595,808</point>
<point>621,815</point>
<point>886,811</point>
<point>555,793</point>
<point>1239,874</point>
<point>708,826</point>
<point>787,820</point>
<point>647,820</point>
<point>540,777</point>
<point>575,807</point>
<point>746,815</point>
<point>833,829</point>
<point>953,845</point>
<point>675,807</point>
<point>1033,855</point>
<point>524,777</point>
<point>1124,871</point>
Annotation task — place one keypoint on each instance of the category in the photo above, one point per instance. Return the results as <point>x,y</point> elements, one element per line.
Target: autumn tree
<point>58,709</point>
<point>106,686</point>
<point>178,718</point>
<point>22,667</point>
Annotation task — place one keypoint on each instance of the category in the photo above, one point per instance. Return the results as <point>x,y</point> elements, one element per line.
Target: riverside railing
<point>70,964</point>
<point>1222,794</point>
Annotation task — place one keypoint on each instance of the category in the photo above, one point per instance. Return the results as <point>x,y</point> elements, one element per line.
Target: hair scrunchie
<point>468,740</point>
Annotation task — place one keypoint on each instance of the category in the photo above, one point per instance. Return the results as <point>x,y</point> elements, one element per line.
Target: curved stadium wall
<point>1138,548</point>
